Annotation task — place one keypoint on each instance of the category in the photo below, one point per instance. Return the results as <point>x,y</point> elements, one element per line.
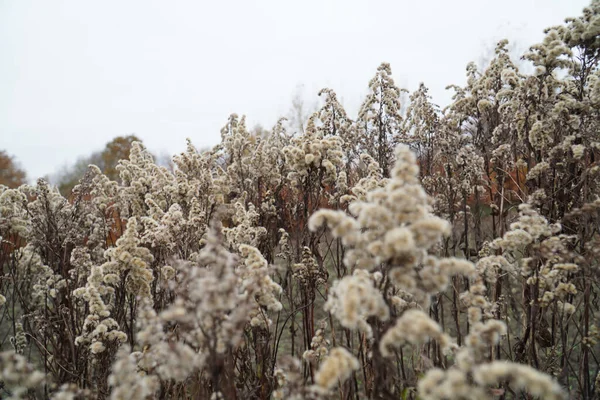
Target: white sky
<point>74,74</point>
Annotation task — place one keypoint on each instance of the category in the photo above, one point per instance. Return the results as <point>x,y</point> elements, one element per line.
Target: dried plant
<point>411,253</point>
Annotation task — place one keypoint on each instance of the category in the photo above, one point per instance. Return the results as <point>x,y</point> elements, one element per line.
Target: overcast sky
<point>74,74</point>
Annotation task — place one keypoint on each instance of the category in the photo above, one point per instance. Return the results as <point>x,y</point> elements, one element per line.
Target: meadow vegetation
<point>408,252</point>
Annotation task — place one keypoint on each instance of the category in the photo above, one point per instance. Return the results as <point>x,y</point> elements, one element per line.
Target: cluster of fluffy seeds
<point>257,284</point>
<point>308,272</point>
<point>130,261</point>
<point>246,229</point>
<point>414,327</point>
<point>127,381</point>
<point>354,299</point>
<point>99,329</point>
<point>17,375</point>
<point>316,152</point>
<point>318,346</point>
<point>337,367</point>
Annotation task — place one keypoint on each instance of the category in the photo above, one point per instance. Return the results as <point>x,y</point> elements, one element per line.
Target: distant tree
<point>107,160</point>
<point>11,174</point>
<point>300,111</point>
<point>115,150</point>
<point>164,159</point>
<point>259,131</point>
<point>69,175</point>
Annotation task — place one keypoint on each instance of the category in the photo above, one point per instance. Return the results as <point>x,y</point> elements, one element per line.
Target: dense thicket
<point>431,254</point>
